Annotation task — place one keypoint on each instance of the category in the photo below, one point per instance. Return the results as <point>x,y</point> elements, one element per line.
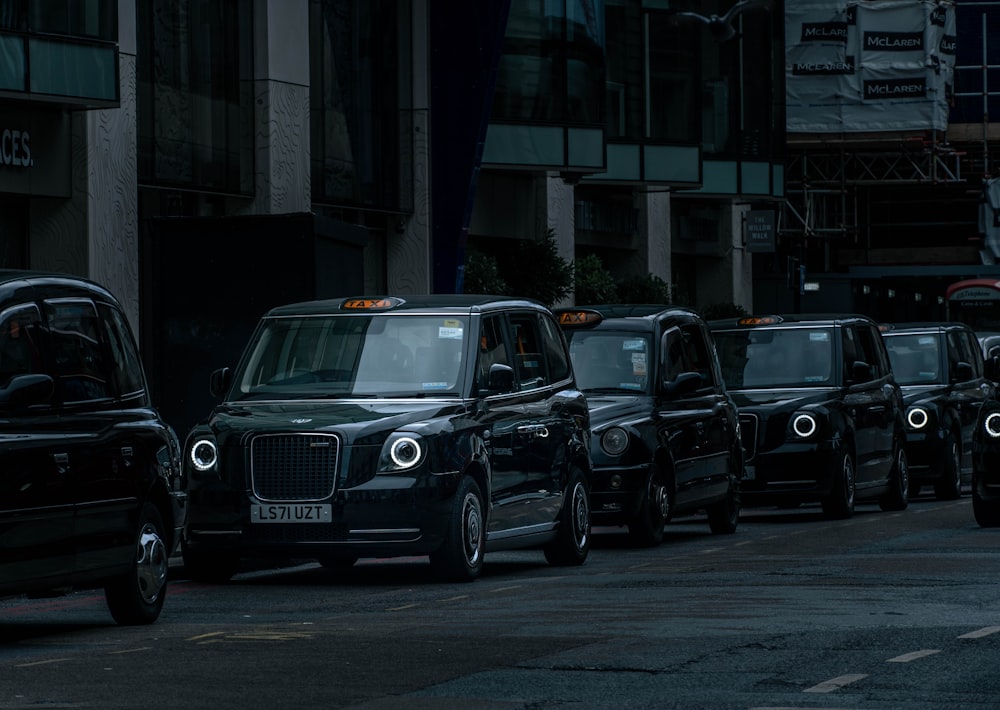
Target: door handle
<point>538,430</point>
<point>62,462</point>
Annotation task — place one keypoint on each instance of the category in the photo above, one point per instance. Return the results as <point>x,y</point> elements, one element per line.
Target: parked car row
<point>456,425</point>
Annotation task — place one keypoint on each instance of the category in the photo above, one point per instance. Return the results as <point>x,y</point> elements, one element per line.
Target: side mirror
<point>27,390</point>
<point>963,372</point>
<point>683,384</point>
<point>220,381</point>
<point>501,379</point>
<point>861,371</point>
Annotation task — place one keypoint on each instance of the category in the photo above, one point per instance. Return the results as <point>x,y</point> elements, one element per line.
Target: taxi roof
<point>431,303</point>
<point>922,327</point>
<point>785,320</point>
<point>22,285</point>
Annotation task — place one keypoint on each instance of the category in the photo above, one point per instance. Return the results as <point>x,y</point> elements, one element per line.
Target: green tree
<point>594,284</point>
<point>645,289</point>
<point>534,269</point>
<point>482,275</point>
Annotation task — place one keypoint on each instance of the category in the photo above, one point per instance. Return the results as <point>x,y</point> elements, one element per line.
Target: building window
<point>195,96</point>
<point>552,68</point>
<point>361,103</point>
<point>97,19</point>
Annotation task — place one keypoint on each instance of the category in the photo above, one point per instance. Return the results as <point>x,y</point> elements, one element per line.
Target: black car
<point>820,413</point>
<point>939,367</point>
<point>986,466</point>
<point>665,435</point>
<point>90,494</point>
<point>446,426</point>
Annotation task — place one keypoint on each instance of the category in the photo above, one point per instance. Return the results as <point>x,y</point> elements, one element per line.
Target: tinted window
<point>81,369</point>
<point>555,351</point>
<point>777,357</point>
<point>915,357</point>
<point>493,349</point>
<point>611,359</point>
<point>19,338</point>
<point>127,369</point>
<point>529,360</point>
<point>867,349</point>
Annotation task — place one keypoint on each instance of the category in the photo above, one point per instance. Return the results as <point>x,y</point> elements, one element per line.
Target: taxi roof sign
<point>759,320</point>
<point>371,304</point>
<point>579,317</point>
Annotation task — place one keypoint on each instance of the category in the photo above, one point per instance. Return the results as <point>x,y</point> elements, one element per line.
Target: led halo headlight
<point>917,417</point>
<point>614,441</point>
<point>401,452</point>
<point>204,454</point>
<point>804,425</point>
<point>992,424</point>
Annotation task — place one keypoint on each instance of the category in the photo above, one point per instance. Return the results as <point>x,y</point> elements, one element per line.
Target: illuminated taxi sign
<point>578,318</point>
<point>371,304</point>
<point>885,327</point>
<point>760,320</point>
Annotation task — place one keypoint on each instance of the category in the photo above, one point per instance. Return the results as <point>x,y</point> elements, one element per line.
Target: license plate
<point>749,473</point>
<point>291,513</point>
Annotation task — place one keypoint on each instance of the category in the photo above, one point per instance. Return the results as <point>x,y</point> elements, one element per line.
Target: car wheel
<point>460,557</point>
<point>136,597</point>
<point>572,541</point>
<point>987,513</point>
<point>646,529</point>
<point>840,502</point>
<point>214,566</point>
<point>898,495</point>
<point>950,485</point>
<point>724,516</point>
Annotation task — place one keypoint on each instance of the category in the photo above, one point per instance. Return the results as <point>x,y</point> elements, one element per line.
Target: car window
<point>958,346</point>
<point>555,350</point>
<point>868,350</point>
<point>610,359</point>
<point>697,355</point>
<point>82,371</point>
<point>493,349</point>
<point>127,369</point>
<point>777,357</point>
<point>914,357</point>
<point>19,338</point>
<point>529,360</point>
<point>974,353</point>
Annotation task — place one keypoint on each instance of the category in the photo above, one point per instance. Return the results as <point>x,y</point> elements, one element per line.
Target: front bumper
<point>617,493</point>
<point>792,473</point>
<point>925,455</point>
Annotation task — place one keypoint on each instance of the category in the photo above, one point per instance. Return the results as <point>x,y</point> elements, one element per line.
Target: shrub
<point>593,283</point>
<point>722,310</point>
<point>534,269</point>
<point>645,289</point>
<point>482,275</point>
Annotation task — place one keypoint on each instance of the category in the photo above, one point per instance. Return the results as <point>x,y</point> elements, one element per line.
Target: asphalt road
<point>884,610</point>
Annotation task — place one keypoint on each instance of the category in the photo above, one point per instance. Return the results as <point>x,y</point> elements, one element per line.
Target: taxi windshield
<point>776,357</point>
<point>355,355</point>
<point>915,358</point>
<point>609,360</point>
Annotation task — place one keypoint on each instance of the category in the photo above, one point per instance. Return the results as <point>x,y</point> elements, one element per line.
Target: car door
<point>97,454</point>
<point>969,387</point>
<point>868,404</point>
<point>36,494</point>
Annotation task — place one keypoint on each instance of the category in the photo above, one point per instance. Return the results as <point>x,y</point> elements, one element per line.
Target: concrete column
<point>728,279</point>
<point>560,217</point>
<point>653,238</point>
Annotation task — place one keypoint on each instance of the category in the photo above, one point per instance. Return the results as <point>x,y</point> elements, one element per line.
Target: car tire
<point>460,557</point>
<point>839,503</point>
<point>136,597</point>
<point>572,542</point>
<point>987,513</point>
<point>655,510</point>
<point>724,516</point>
<point>898,495</point>
<point>950,485</point>
<point>212,566</point>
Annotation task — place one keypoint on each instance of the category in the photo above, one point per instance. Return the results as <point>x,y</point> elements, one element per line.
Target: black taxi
<point>986,465</point>
<point>90,490</point>
<point>443,425</point>
<point>820,413</point>
<point>665,435</point>
<point>941,371</point>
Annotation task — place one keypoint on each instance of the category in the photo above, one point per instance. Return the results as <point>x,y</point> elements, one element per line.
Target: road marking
<point>41,663</point>
<point>914,655</point>
<point>131,650</point>
<point>454,599</point>
<point>506,589</point>
<point>400,608</point>
<point>835,683</point>
<point>986,631</point>
<point>205,636</point>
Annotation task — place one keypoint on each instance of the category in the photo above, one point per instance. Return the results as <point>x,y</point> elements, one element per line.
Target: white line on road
<point>986,631</point>
<point>914,655</point>
<point>833,684</point>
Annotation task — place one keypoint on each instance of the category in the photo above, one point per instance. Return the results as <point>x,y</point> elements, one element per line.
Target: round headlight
<point>405,451</point>
<point>804,425</point>
<point>917,417</point>
<point>614,441</point>
<point>992,424</point>
<point>204,454</point>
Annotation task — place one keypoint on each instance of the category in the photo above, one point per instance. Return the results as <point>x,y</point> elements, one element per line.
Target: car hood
<point>916,393</point>
<point>606,409</point>
<point>776,399</point>
<point>352,418</point>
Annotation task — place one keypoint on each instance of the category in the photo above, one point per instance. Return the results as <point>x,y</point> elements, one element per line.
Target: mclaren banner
<point>878,65</point>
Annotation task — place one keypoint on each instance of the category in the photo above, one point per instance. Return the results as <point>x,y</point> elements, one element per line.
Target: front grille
<point>748,435</point>
<point>300,467</point>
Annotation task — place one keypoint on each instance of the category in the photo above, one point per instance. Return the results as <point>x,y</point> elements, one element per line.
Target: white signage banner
<point>880,65</point>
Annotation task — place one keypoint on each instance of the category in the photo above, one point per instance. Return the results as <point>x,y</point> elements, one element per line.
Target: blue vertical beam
<point>466,40</point>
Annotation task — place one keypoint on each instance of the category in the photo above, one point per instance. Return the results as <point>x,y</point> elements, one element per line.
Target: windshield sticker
<point>629,386</point>
<point>639,364</point>
<point>450,332</point>
<point>819,336</point>
<point>926,340</point>
<point>634,345</point>
<point>435,385</point>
